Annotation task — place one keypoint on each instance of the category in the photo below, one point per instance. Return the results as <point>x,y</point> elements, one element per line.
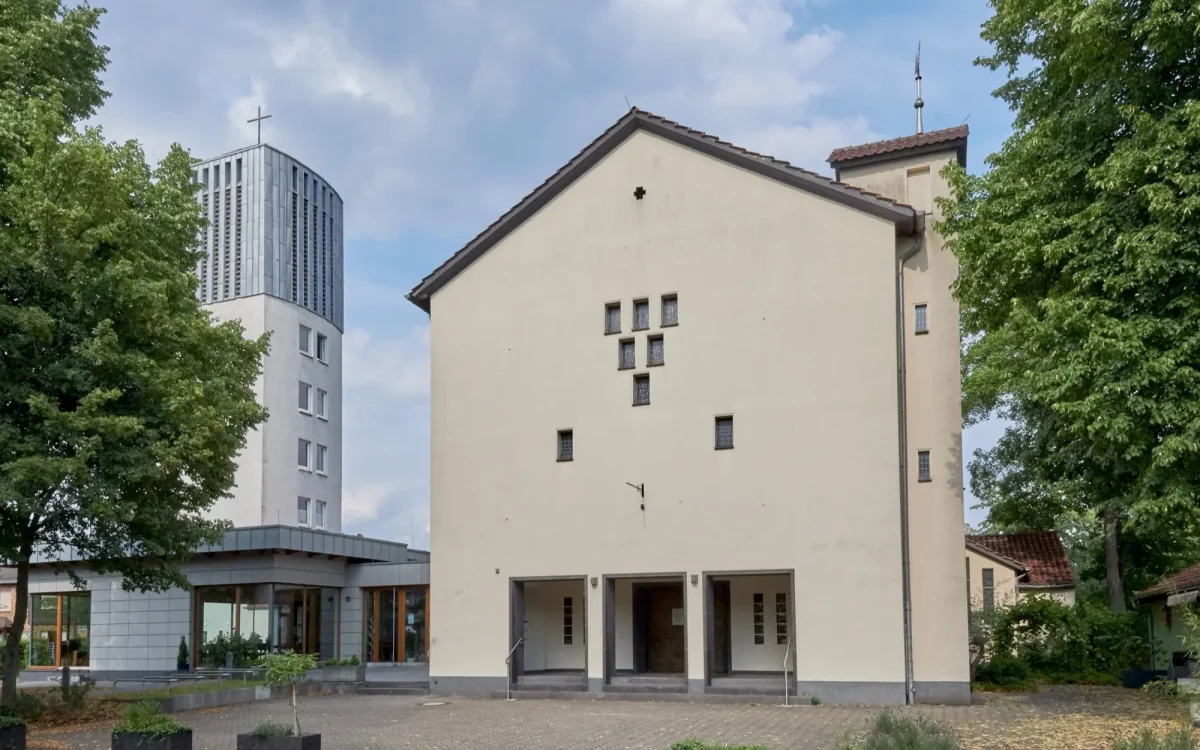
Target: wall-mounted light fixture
<point>595,581</point>
<point>695,579</point>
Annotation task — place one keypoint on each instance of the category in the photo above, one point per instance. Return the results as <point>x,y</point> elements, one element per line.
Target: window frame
<point>319,514</point>
<point>322,399</point>
<point>307,510</point>
<point>927,474</point>
<point>639,302</point>
<point>306,348</point>
<point>650,339</point>
<point>568,621</point>
<point>662,318</point>
<point>758,610</point>
<point>322,348</point>
<point>308,409</point>
<point>308,454</point>
<point>320,458</point>
<point>608,307</point>
<point>561,456</point>
<point>717,432</point>
<point>989,590</point>
<point>641,376</point>
<point>781,618</point>
<point>621,344</point>
<point>920,311</point>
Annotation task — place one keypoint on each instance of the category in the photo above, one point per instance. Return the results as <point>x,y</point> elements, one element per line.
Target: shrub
<point>24,654</point>
<point>1180,739</point>
<point>74,696</point>
<point>147,717</point>
<point>246,650</point>
<point>1081,644</point>
<point>270,728</point>
<point>892,731</point>
<point>184,656</point>
<point>30,706</point>
<point>697,745</point>
<point>8,720</point>
<point>816,699</point>
<point>1003,670</point>
<point>1165,689</point>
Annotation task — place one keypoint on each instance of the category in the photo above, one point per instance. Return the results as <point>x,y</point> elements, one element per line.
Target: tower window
<point>724,433</point>
<point>322,347</point>
<point>923,472</point>
<point>641,314</point>
<point>321,451</point>
<point>612,317</point>
<point>921,319</point>
<point>305,401</point>
<point>303,454</point>
<point>626,359</point>
<point>670,310</point>
<point>306,340</point>
<point>641,390</point>
<point>302,510</point>
<point>654,350</point>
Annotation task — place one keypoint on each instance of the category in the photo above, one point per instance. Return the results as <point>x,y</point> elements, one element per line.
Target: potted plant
<point>343,670</point>
<point>184,657</point>
<point>145,727</point>
<point>285,668</point>
<point>12,732</point>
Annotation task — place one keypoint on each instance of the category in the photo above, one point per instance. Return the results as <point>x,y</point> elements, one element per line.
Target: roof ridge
<point>901,143</point>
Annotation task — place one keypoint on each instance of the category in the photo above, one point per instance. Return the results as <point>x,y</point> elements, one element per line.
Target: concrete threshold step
<point>647,688</point>
<point>651,696</point>
<point>369,689</point>
<point>568,687</point>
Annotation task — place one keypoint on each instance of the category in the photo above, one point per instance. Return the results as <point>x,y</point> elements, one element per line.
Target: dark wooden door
<point>722,632</point>
<point>665,647</point>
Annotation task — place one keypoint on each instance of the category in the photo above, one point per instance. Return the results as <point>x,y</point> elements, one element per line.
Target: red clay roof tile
<point>1185,580</point>
<point>1041,552</point>
<point>879,148</point>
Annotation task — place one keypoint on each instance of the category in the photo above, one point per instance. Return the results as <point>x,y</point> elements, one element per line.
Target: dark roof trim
<point>979,549</point>
<point>906,218</point>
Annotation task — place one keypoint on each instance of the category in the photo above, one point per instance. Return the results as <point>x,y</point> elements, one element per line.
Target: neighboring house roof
<point>934,140</point>
<point>906,218</point>
<point>1040,552</point>
<point>1187,579</point>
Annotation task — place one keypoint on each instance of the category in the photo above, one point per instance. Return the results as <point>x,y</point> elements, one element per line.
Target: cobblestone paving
<point>1055,719</point>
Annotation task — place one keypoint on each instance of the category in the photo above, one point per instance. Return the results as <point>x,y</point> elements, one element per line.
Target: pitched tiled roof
<point>841,156</point>
<point>1041,552</point>
<point>1187,579</point>
<point>905,217</point>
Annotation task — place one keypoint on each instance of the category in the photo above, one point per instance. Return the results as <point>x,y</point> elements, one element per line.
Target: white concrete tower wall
<point>273,260</point>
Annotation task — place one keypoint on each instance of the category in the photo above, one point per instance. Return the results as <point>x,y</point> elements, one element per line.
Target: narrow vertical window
<point>302,511</point>
<point>921,319</point>
<point>923,474</point>
<point>626,357</point>
<point>989,589</point>
<point>724,433</point>
<point>781,625</point>
<point>568,621</point>
<point>321,451</point>
<point>321,398</point>
<point>305,400</point>
<point>612,317</point>
<point>305,340</point>
<point>655,353</point>
<point>322,347</point>
<point>303,454</point>
<point>566,445</point>
<point>319,515</point>
<point>641,314</point>
<point>759,621</point>
<point>670,310</point>
<point>641,390</point>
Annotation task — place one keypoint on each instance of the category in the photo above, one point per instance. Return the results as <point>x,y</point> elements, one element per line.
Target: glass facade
<point>59,629</point>
<point>248,621</point>
<point>396,624</point>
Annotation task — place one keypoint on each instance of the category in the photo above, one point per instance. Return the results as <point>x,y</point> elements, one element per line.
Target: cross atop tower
<point>259,120</point>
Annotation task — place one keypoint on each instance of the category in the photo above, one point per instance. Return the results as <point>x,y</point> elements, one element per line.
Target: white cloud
<point>363,503</point>
<point>245,107</point>
<point>397,367</point>
<point>809,144</point>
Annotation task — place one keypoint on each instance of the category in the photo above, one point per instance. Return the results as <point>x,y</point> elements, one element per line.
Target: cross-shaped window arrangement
<point>641,390</point>
<point>654,353</point>
<point>641,314</point>
<point>612,317</point>
<point>626,359</point>
<point>670,311</point>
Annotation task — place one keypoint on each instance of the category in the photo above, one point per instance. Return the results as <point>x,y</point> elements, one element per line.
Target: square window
<point>321,451</point>
<point>322,396</point>
<point>612,317</point>
<point>322,347</point>
<point>724,433</point>
<point>305,400</point>
<point>641,314</point>
<point>302,511</point>
<point>654,350</point>
<point>303,454</point>
<point>670,310</point>
<point>921,319</point>
<point>305,340</point>
<point>319,515</point>
<point>566,445</point>
<point>626,357</point>
<point>641,390</point>
<point>923,466</point>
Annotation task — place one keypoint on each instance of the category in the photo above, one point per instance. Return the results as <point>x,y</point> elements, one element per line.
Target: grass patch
<point>892,731</point>
<point>1181,739</point>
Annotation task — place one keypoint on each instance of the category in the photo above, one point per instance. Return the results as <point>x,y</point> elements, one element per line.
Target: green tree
<point>1079,253</point>
<point>122,405</point>
<point>289,668</point>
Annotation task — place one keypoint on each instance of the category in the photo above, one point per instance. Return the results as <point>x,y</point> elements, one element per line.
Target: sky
<point>432,118</point>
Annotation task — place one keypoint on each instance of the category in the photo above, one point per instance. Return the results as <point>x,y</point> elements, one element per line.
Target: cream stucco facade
<point>787,320</point>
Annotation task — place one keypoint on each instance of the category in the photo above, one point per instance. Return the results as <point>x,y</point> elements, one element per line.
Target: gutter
<point>910,690</point>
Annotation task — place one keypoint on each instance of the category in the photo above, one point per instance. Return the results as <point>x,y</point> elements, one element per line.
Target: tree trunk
<point>295,712</point>
<point>1112,561</point>
<point>12,647</point>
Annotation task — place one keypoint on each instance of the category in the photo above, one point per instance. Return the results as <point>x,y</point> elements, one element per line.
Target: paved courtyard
<point>1055,719</point>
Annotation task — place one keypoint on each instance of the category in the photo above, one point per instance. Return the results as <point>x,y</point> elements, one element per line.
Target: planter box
<point>356,673</point>
<point>12,738</point>
<point>140,741</point>
<point>304,742</point>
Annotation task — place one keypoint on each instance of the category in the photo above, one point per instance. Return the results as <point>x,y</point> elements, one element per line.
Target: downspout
<point>910,689</point>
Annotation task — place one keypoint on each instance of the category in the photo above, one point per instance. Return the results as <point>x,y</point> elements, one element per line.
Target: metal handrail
<point>786,652</point>
<point>508,666</point>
